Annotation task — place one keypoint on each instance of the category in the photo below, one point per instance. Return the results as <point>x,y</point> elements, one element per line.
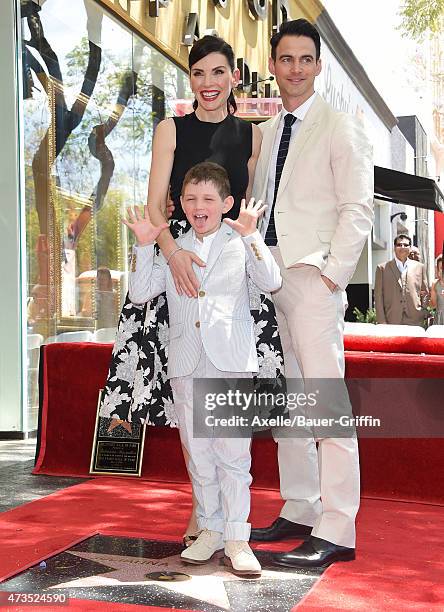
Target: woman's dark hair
<point>213,44</point>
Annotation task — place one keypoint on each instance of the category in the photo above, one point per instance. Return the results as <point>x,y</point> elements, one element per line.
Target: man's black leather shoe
<point>314,553</point>
<point>281,529</point>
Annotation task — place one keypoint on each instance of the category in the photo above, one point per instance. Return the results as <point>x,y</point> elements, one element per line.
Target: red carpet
<point>412,468</point>
<point>399,565</point>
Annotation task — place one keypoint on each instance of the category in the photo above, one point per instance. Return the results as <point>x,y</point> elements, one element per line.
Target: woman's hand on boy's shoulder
<point>246,223</point>
<point>142,227</point>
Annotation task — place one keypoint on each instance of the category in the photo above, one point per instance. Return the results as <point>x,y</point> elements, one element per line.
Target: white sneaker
<point>204,548</point>
<point>241,559</point>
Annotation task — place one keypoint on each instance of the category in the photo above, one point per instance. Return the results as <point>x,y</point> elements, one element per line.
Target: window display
<point>92,94</point>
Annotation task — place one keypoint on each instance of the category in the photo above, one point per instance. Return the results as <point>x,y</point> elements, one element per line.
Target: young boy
<point>210,337</point>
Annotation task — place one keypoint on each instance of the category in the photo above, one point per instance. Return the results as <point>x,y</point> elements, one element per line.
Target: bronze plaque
<point>117,446</point>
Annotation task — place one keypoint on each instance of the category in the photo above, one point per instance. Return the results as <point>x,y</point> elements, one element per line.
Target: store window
<point>93,92</point>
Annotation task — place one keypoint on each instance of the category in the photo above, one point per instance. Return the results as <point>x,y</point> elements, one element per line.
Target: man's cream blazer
<point>324,206</point>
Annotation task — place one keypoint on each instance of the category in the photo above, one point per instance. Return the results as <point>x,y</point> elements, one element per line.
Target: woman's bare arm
<point>164,145</point>
<point>256,149</point>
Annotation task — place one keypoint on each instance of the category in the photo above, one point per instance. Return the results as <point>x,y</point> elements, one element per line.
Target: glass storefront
<point>93,92</point>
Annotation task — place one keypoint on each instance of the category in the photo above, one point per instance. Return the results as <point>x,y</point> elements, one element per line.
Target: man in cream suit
<point>211,336</point>
<point>401,287</point>
<point>315,172</point>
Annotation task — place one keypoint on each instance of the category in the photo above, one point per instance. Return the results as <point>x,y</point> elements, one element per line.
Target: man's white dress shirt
<point>402,267</point>
<point>299,113</point>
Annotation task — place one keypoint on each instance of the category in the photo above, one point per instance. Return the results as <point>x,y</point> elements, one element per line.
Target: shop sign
<point>280,10</point>
<point>155,5</point>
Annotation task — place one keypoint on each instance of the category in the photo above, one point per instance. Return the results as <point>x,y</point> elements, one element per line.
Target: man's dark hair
<point>402,237</point>
<point>208,172</point>
<point>297,27</point>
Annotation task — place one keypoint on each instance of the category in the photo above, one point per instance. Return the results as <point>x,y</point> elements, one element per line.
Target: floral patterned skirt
<point>137,388</point>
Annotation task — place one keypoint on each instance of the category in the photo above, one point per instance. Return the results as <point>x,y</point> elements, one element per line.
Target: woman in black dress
<point>137,388</point>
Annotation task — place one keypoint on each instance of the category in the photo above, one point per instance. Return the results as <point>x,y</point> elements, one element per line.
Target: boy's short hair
<point>209,172</point>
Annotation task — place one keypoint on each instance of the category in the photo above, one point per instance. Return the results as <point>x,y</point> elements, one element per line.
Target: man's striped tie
<point>270,236</point>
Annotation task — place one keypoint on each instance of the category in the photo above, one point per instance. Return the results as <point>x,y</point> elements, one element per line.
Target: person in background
<point>35,308</point>
<point>414,254</point>
<point>105,296</point>
<point>437,293</point>
<point>401,287</point>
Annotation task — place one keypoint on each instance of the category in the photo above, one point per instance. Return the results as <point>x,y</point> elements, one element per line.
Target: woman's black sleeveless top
<point>228,143</point>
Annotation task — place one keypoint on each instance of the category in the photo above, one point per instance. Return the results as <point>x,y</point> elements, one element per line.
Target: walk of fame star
<point>206,584</point>
<point>123,578</point>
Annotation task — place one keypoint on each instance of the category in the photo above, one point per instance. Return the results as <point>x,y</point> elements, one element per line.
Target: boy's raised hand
<point>141,226</point>
<point>246,223</point>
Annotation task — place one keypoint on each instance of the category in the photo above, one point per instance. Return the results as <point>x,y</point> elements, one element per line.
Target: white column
<point>12,388</point>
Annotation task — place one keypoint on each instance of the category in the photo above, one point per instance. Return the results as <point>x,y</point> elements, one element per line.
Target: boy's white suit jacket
<point>324,206</point>
<point>219,318</point>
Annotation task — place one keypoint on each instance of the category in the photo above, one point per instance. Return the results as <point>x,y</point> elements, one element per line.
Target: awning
<point>403,188</point>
